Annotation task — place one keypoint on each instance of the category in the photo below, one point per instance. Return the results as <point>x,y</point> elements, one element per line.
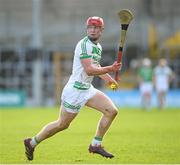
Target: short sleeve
<point>85,49</point>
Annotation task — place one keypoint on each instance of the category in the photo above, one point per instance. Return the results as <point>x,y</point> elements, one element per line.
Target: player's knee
<point>112,113</point>
<point>62,126</point>
<point>65,126</point>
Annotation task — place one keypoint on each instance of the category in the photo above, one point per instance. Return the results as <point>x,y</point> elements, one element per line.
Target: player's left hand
<point>116,66</point>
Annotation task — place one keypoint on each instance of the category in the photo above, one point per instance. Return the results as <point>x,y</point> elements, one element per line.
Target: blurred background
<point>38,37</point>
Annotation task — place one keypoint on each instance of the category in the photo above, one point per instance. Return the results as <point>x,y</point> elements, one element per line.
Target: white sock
<point>96,141</point>
<point>34,142</point>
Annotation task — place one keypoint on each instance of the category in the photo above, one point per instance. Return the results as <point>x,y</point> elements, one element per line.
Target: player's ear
<point>102,28</point>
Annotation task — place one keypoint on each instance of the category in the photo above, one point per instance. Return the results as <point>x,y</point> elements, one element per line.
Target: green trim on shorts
<point>81,86</point>
<point>70,106</point>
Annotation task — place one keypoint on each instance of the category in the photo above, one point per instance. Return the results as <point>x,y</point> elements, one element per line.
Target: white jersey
<point>79,90</point>
<point>84,49</point>
<point>162,77</point>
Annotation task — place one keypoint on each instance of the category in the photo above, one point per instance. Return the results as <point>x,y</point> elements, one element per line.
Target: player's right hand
<point>116,66</point>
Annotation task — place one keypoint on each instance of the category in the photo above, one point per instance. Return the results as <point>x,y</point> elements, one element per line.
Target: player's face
<point>94,32</point>
<point>162,63</point>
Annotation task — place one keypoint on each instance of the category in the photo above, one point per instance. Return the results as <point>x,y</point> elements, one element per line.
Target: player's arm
<point>93,70</point>
<point>139,77</point>
<point>108,79</point>
<point>154,77</point>
<point>171,75</point>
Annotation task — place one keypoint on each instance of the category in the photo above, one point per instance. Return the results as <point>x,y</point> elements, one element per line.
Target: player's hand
<point>116,66</point>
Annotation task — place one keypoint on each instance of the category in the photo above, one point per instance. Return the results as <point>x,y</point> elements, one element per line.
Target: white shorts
<point>162,87</point>
<point>74,99</point>
<point>146,87</point>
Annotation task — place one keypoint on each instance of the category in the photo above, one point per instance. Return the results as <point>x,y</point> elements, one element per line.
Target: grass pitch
<point>134,137</point>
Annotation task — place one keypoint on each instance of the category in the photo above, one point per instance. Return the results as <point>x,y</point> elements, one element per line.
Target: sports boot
<point>29,150</point>
<point>100,150</point>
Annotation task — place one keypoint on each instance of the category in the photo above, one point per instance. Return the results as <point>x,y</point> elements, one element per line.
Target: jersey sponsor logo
<point>96,50</point>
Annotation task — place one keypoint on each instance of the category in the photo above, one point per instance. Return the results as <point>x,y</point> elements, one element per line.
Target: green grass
<point>135,137</point>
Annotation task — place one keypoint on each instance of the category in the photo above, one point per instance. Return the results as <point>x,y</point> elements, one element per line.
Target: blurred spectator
<point>145,75</point>
<point>163,75</point>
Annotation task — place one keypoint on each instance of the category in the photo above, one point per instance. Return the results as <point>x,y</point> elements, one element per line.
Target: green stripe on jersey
<point>81,86</point>
<point>83,55</point>
<point>83,45</point>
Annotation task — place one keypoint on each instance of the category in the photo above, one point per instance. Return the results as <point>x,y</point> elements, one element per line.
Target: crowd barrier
<point>132,98</point>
